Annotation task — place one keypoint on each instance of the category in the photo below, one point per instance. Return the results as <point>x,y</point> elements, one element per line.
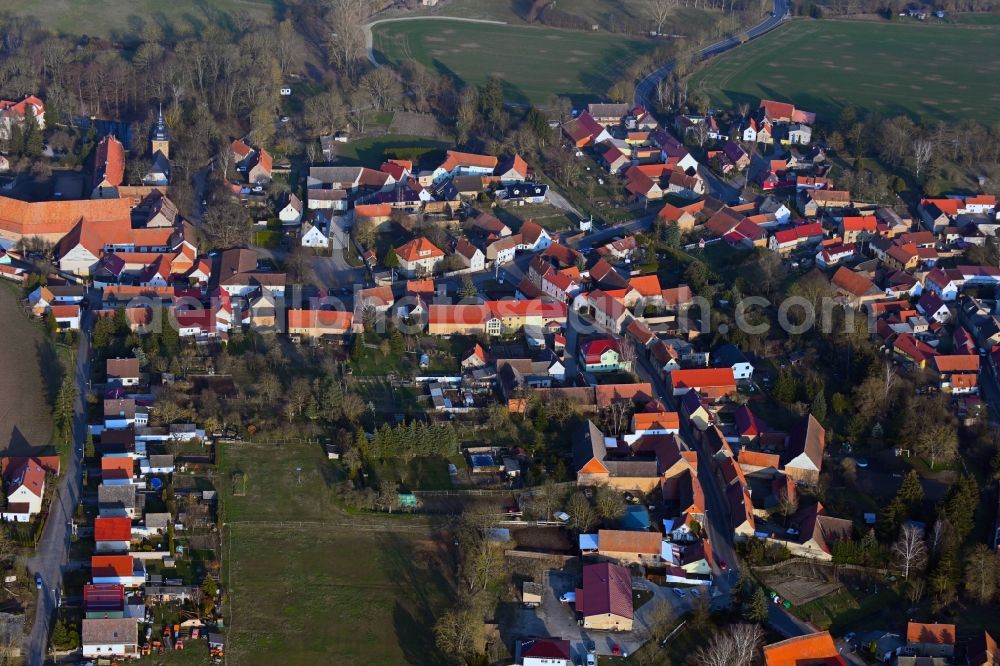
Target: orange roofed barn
<point>809,650</point>
<point>51,220</point>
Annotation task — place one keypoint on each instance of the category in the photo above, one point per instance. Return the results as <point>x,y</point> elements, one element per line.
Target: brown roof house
<point>629,546</point>
<point>123,371</point>
<point>802,458</point>
<point>817,532</point>
<point>855,287</point>
<point>605,600</point>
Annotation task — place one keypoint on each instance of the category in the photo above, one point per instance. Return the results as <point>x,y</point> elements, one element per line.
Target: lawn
<point>533,63</point>
<point>110,18</point>
<point>846,609</point>
<point>31,377</point>
<point>549,217</point>
<point>329,589</point>
<point>373,150</point>
<point>933,71</point>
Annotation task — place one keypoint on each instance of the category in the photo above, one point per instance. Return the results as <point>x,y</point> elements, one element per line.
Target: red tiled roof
<point>940,634</point>
<point>458,314</point>
<point>106,566</point>
<point>853,283</point>
<point>859,223</point>
<point>758,459</point>
<point>702,378</point>
<point>646,285</point>
<point>455,158</point>
<point>656,421</point>
<point>373,210</point>
<point>112,529</point>
<point>607,588</point>
<point>629,541</point>
<point>594,349</point>
<point>320,319</point>
<point>240,148</point>
<point>957,363</point>
<point>419,248</point>
<point>109,162</point>
<point>546,648</point>
<point>809,650</point>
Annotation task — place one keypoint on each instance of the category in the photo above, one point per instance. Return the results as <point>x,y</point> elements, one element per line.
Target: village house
<point>730,356</point>
<point>110,637</point>
<point>786,241</point>
<point>472,257</point>
<point>112,535</point>
<point>464,164</point>
<point>711,383</point>
<point>627,547</point>
<point>931,640</point>
<point>603,355</point>
<point>855,288</point>
<point>109,168</point>
<point>419,257</point>
<point>291,213</point>
<point>24,485</point>
<point>817,648</point>
<point>544,652</point>
<point>118,569</point>
<point>605,600</point>
<point>316,233</point>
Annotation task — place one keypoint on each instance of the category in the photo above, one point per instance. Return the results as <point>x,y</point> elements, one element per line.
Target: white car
<point>591,660</point>
<point>568,598</point>
<point>678,591</point>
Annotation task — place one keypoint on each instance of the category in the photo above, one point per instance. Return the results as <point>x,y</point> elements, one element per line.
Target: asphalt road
<point>51,553</point>
<point>644,91</point>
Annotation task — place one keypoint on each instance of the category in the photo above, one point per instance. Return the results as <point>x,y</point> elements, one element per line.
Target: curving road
<point>644,90</point>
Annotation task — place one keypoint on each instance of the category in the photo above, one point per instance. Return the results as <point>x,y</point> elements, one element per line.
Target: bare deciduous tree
<point>923,150</point>
<point>734,647</point>
<point>910,550</point>
<point>619,413</point>
<point>981,573</point>
<point>658,11</point>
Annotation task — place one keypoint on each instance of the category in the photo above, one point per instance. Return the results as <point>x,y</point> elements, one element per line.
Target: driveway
<point>51,553</point>
<point>560,620</point>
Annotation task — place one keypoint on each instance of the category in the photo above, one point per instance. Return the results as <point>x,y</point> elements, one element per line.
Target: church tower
<point>160,141</point>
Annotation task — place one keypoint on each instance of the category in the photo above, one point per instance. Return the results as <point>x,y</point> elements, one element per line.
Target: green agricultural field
<point>108,18</point>
<point>933,71</point>
<point>309,584</point>
<point>31,377</point>
<point>532,62</point>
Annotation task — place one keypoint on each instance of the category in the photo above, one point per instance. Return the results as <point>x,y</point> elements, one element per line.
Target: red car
<point>723,565</point>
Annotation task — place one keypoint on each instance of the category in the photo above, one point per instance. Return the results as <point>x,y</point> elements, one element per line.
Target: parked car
<point>791,531</point>
<point>723,565</point>
<point>568,598</point>
<point>862,463</point>
<point>591,660</point>
<point>678,591</point>
<point>591,647</point>
<point>38,581</point>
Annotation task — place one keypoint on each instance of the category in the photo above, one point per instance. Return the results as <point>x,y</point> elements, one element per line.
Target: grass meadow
<point>107,18</point>
<point>310,584</point>
<point>532,62</point>
<point>932,71</point>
